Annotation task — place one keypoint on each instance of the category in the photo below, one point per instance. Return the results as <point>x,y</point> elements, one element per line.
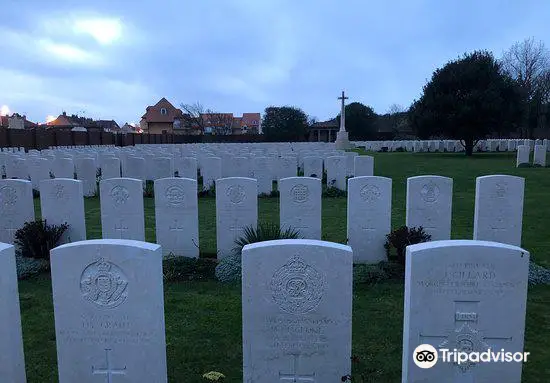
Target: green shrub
<point>398,240</point>
<point>149,191</point>
<point>334,192</point>
<point>400,149</point>
<point>210,192</point>
<point>525,165</point>
<point>370,274</point>
<point>177,268</point>
<point>265,231</point>
<point>28,267</point>
<point>229,269</point>
<point>300,173</point>
<point>35,193</point>
<point>36,238</point>
<point>272,194</point>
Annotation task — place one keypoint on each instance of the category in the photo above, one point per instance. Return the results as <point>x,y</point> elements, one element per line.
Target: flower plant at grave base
<point>229,267</point>
<point>149,191</point>
<point>36,238</point>
<point>400,238</point>
<point>214,376</point>
<point>210,192</point>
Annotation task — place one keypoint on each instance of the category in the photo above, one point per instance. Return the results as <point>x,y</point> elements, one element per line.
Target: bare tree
<point>195,116</point>
<point>395,108</point>
<point>528,62</point>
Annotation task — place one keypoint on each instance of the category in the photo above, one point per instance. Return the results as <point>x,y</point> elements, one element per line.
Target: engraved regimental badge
<point>104,284</point>
<point>297,287</point>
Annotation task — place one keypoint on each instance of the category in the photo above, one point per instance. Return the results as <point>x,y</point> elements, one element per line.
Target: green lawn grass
<point>203,319</point>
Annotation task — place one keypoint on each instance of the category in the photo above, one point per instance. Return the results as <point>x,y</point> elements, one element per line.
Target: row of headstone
<point>149,166</point>
<point>498,210</point>
<point>425,146</point>
<point>524,155</point>
<point>461,296</point>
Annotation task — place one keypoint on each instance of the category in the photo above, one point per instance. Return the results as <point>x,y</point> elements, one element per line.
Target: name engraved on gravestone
<point>430,192</point>
<point>369,193</point>
<point>299,193</point>
<point>175,195</point>
<point>120,195</point>
<point>501,190</point>
<point>468,279</point>
<point>236,194</point>
<point>106,328</point>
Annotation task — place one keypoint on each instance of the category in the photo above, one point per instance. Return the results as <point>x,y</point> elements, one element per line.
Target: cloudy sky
<point>110,59</point>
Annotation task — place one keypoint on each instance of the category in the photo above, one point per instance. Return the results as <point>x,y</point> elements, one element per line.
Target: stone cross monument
<point>342,141</point>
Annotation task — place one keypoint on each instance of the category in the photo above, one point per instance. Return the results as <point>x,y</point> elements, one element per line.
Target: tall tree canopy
<point>528,62</point>
<point>467,99</point>
<point>284,123</point>
<point>360,121</point>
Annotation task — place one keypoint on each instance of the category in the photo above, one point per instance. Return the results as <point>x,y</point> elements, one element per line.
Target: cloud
<point>241,55</point>
<point>69,53</point>
<point>105,31</point>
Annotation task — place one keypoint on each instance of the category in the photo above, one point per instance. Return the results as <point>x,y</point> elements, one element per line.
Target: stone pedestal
<point>342,141</point>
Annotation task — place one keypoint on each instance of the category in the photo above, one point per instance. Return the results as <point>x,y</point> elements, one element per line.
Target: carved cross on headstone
<point>11,229</point>
<point>108,371</point>
<point>235,226</point>
<point>294,376</point>
<point>175,226</point>
<point>121,229</point>
<point>464,336</point>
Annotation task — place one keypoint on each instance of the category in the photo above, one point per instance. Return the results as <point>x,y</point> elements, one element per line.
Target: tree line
<point>470,98</point>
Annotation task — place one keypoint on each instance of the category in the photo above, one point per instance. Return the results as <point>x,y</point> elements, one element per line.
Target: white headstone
<point>336,172</point>
<point>110,168</point>
<point>12,359</point>
<point>86,172</point>
<point>122,209</point>
<point>177,216</point>
<point>211,170</point>
<point>62,201</point>
<point>136,168</point>
<point>369,217</point>
<point>163,167</point>
<point>39,169</point>
<point>63,167</point>
<point>16,207</point>
<point>313,167</point>
<point>297,305</point>
<point>350,163</point>
<point>498,213</point>
<point>186,167</point>
<point>109,312</point>
<point>364,166</point>
<point>236,208</point>
<point>523,155</point>
<point>464,295</point>
<point>429,204</point>
<point>540,155</point>
<point>262,172</point>
<point>300,205</point>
